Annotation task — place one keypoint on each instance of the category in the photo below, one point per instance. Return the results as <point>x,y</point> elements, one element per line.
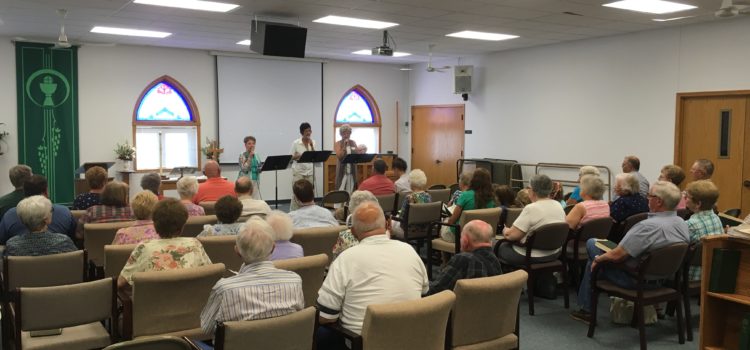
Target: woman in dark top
<point>630,201</point>
<point>96,177</point>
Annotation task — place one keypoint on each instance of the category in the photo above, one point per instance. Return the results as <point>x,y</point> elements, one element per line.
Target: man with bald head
<point>215,186</point>
<point>378,270</point>
<point>250,206</point>
<point>475,260</point>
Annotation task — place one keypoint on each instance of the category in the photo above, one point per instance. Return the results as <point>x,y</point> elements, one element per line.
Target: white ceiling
<point>422,22</point>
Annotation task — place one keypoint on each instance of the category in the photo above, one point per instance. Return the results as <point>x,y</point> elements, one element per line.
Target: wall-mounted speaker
<point>278,39</point>
<point>462,79</point>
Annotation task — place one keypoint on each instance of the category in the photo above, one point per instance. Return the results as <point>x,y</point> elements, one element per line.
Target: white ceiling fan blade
<point>726,4</point>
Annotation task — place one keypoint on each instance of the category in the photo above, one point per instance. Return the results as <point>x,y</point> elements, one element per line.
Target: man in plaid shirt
<point>701,196</point>
<point>475,260</point>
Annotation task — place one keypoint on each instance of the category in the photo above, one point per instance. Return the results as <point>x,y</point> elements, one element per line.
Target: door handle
<point>437,161</point>
<point>746,183</point>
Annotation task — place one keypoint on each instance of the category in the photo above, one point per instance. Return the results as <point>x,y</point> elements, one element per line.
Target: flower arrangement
<point>125,151</point>
<point>211,150</point>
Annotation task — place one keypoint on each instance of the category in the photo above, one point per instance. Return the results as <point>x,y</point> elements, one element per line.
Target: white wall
<point>8,112</point>
<point>592,101</point>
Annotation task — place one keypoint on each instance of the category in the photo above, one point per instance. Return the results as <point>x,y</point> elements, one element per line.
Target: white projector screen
<point>268,99</point>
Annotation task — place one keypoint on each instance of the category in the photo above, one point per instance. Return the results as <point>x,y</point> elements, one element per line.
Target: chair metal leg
<point>566,286</point>
<point>594,305</point>
<point>688,317</point>
<point>641,324</point>
<point>530,289</point>
<point>680,334</point>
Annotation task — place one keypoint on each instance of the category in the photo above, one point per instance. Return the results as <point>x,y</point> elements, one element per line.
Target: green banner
<point>47,86</point>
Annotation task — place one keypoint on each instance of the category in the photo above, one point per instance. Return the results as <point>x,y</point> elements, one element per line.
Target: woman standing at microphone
<point>250,164</point>
<point>346,174</point>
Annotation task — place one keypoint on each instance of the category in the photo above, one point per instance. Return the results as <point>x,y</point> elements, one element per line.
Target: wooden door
<point>714,127</point>
<point>437,141</point>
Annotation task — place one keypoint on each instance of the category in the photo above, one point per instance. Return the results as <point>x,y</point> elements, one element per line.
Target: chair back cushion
<point>486,308</point>
<point>290,332</point>
<point>513,214</point>
<point>96,236</point>
<point>414,324</point>
<point>66,306</point>
<point>696,251</point>
<point>440,195</point>
<point>44,271</point>
<point>550,236</point>
<point>151,343</point>
<point>489,215</point>
<point>194,224</point>
<point>336,197</point>
<point>115,257</point>
<point>171,301</point>
<point>424,213</point>
<point>664,262</point>
<point>632,220</point>
<point>387,202</point>
<point>77,214</point>
<point>317,240</point>
<point>596,228</point>
<point>221,250</point>
<point>312,271</point>
<point>208,207</point>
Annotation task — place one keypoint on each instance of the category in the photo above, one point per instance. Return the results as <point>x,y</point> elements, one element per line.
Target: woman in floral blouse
<point>171,251</point>
<point>113,208</point>
<point>143,229</point>
<point>346,239</point>
<point>418,182</point>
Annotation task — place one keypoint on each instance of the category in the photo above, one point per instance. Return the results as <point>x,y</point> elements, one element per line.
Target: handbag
<point>622,311</point>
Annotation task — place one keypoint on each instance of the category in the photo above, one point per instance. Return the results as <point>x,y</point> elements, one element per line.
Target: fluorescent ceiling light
<point>369,53</point>
<point>130,32</point>
<point>670,19</point>
<point>244,42</point>
<point>650,6</point>
<point>191,5</point>
<point>355,22</point>
<point>468,34</point>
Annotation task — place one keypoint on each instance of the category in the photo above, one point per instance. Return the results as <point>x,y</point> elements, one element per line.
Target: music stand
<point>314,157</point>
<point>276,163</point>
<point>86,166</point>
<point>356,158</point>
<point>182,170</point>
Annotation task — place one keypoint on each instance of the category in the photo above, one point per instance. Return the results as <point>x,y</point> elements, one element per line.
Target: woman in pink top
<point>592,206</point>
<point>675,175</point>
<point>143,229</point>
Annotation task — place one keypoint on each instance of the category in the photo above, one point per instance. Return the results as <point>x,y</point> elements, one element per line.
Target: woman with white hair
<point>346,239</point>
<point>35,213</point>
<point>464,181</point>
<point>629,200</point>
<point>575,197</point>
<point>418,182</point>
<point>592,206</point>
<point>346,174</point>
<point>187,186</point>
<point>283,228</point>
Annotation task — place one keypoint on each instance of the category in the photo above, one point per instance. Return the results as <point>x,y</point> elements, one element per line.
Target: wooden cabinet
<point>722,313</point>
<point>364,170</point>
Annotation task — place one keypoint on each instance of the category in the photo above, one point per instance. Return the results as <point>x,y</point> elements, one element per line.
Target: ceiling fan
<point>430,68</point>
<point>62,39</point>
<point>732,8</point>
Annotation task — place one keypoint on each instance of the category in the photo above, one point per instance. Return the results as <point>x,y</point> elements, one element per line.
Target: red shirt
<point>378,185</point>
<point>213,189</point>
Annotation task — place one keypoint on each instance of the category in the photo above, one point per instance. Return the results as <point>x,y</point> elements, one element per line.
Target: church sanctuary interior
<point>568,101</point>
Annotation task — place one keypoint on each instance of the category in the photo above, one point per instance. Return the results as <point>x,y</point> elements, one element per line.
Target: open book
<point>605,244</point>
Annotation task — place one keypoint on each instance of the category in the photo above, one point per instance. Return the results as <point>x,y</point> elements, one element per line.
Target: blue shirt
<point>39,243</point>
<point>62,222</point>
<point>659,230</point>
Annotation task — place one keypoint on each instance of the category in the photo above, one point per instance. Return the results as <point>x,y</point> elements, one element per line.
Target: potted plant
<point>125,155</point>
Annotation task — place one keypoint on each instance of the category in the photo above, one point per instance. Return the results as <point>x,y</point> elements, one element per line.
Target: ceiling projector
<point>383,50</point>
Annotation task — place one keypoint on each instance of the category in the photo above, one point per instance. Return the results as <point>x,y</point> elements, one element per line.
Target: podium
<point>357,158</point>
<point>276,163</point>
<point>81,186</point>
<point>314,157</point>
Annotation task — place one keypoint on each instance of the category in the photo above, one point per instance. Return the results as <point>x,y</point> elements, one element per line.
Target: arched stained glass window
<point>164,103</point>
<point>165,118</point>
<point>358,108</point>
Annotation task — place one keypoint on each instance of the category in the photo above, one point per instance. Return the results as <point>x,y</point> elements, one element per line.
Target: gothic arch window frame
<point>195,120</point>
<point>374,109</point>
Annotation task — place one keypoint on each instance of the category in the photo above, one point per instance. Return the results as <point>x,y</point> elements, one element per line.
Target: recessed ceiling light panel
<point>650,6</point>
<point>130,32</point>
<point>199,5</point>
<point>355,22</point>
<point>369,53</point>
<point>245,42</point>
<point>469,34</point>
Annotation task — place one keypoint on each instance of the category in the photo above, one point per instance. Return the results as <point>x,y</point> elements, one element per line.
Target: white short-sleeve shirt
<point>535,215</point>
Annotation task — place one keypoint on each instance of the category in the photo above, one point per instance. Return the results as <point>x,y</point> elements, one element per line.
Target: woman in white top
<point>301,145</point>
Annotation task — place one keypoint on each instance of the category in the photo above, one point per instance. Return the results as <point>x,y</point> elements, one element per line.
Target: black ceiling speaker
<point>278,39</point>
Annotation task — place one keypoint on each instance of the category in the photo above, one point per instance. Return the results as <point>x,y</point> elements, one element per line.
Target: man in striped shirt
<point>259,290</point>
